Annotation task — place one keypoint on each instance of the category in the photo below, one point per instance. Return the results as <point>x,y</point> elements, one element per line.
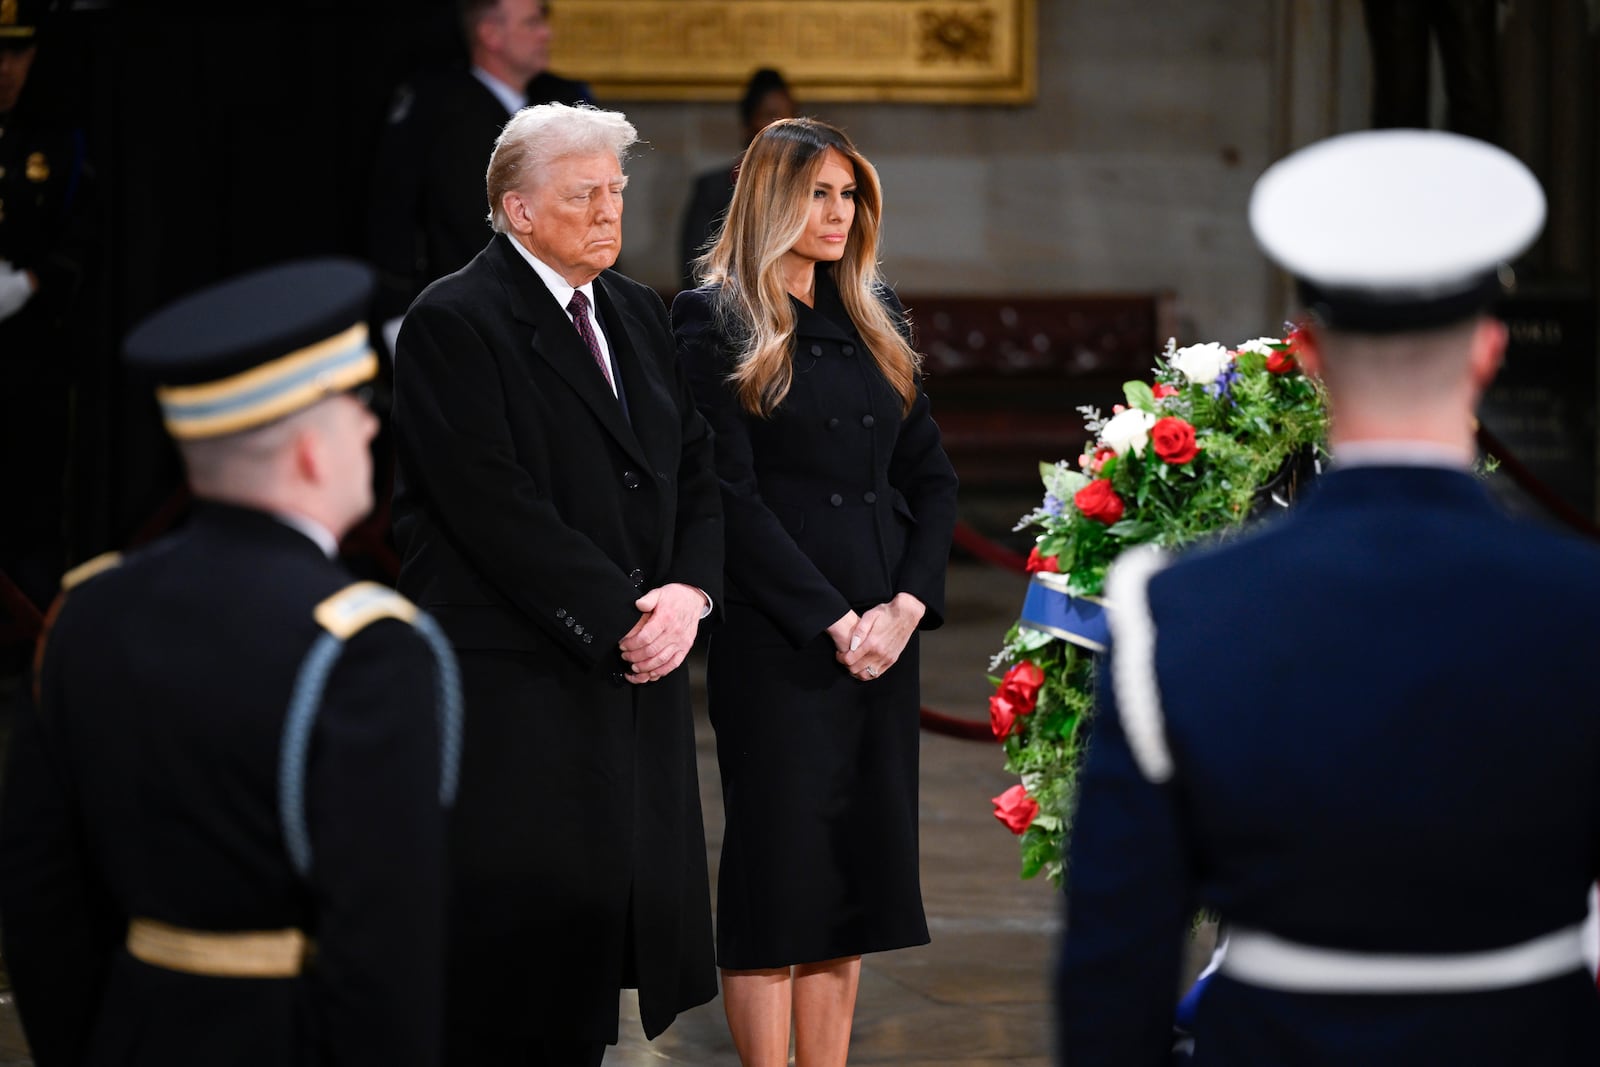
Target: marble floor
<point>978,995</point>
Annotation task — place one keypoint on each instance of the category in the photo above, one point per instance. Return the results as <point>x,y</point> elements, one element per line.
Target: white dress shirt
<point>563,293</point>
<point>315,530</point>
<point>513,100</point>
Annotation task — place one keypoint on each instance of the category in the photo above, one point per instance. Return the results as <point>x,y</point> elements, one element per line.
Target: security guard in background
<point>1368,735</point>
<point>47,235</point>
<point>223,829</point>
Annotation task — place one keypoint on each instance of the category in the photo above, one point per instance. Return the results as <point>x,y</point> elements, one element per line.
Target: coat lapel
<point>650,402</point>
<point>555,341</point>
<point>826,317</point>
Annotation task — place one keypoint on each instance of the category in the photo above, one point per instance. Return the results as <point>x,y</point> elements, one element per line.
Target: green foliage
<point>1254,415</point>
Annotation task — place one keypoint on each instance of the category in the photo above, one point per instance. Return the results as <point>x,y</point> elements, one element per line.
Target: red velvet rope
<point>986,550</point>
<point>1541,492</point>
<point>937,722</point>
<point>27,619</point>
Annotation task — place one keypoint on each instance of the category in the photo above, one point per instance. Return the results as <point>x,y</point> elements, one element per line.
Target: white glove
<point>15,289</point>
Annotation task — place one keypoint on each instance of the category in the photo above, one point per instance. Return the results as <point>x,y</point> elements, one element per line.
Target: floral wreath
<point>1219,436</point>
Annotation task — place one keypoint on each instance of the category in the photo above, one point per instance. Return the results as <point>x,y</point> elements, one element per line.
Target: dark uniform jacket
<point>146,784</point>
<point>532,509</point>
<point>428,213</point>
<point>48,225</point>
<point>1384,738</point>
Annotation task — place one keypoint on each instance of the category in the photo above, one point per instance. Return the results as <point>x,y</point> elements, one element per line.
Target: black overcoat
<point>838,501</point>
<point>145,783</point>
<point>530,513</point>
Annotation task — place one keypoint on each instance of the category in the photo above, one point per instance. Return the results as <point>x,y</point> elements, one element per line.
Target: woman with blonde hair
<point>839,505</point>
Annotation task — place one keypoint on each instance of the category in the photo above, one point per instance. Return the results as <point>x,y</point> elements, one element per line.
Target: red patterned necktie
<point>578,307</point>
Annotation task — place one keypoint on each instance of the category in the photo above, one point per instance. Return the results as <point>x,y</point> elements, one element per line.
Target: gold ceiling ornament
<point>949,51</point>
<point>954,35</point>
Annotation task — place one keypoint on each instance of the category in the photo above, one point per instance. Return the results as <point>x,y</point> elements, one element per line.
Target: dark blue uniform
<point>149,783</point>
<point>1381,719</point>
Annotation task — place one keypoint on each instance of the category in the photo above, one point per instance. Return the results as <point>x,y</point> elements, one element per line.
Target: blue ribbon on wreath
<point>1049,608</point>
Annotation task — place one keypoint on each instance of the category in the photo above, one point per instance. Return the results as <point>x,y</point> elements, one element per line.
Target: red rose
<point>1021,686</point>
<point>1296,339</point>
<point>1037,562</point>
<point>1016,809</point>
<point>1173,440</point>
<point>1161,389</point>
<point>1002,715</point>
<point>1099,501</point>
<point>1281,362</point>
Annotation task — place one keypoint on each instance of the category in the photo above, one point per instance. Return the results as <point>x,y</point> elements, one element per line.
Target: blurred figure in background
<point>766,98</point>
<point>47,236</point>
<point>426,215</point>
<point>1403,34</point>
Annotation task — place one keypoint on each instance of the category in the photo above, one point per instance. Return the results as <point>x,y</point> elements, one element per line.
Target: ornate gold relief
<point>953,35</point>
<point>949,51</point>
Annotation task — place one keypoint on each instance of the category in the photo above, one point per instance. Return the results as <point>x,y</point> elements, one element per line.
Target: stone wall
<point>1130,172</point>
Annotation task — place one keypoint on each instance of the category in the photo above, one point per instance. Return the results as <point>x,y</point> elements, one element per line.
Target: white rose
<point>1262,346</point>
<point>1202,364</point>
<point>1127,431</point>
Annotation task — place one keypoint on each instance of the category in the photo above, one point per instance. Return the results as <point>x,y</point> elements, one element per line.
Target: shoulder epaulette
<point>353,608</point>
<point>341,617</point>
<point>84,571</point>
<point>75,577</point>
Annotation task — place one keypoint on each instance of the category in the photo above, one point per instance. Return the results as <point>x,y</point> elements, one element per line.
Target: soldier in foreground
<point>223,826</point>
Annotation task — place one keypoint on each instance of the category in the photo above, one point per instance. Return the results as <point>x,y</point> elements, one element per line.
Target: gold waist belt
<point>234,954</point>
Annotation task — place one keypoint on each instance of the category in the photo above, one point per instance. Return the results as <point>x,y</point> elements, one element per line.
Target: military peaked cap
<point>1391,230</point>
<point>257,347</point>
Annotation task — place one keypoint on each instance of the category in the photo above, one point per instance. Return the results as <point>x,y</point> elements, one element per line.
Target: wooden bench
<point>1007,374</point>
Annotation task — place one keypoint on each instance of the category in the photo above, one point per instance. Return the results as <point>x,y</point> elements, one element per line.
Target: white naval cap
<point>1389,230</point>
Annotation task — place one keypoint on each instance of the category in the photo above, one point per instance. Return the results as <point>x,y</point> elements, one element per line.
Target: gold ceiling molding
<point>941,51</point>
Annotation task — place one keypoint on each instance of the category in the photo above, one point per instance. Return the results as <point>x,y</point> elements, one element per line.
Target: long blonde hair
<point>766,218</point>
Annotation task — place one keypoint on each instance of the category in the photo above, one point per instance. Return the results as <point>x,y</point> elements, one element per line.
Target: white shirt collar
<point>1399,453</point>
<point>513,100</point>
<point>558,286</point>
<point>311,528</point>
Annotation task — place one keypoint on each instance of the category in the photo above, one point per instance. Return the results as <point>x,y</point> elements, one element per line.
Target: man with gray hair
<point>556,509</point>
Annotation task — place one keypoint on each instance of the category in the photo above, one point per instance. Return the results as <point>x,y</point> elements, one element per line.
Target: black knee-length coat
<point>840,500</point>
<point>532,511</point>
